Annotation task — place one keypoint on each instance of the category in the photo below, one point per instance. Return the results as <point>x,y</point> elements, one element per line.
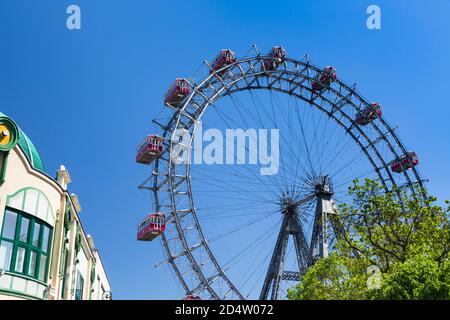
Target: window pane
<point>45,238</point>
<point>5,255</point>
<point>16,201</point>
<point>79,287</point>
<point>9,225</point>
<point>36,232</point>
<point>42,267</point>
<point>42,207</point>
<point>20,259</point>
<point>31,201</point>
<point>32,268</point>
<point>24,230</point>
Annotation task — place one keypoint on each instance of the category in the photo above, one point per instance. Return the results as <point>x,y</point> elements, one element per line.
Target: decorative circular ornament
<point>107,295</point>
<point>9,134</point>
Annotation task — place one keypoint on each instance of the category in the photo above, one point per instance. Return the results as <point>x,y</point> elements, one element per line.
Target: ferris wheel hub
<point>324,186</point>
<point>289,206</point>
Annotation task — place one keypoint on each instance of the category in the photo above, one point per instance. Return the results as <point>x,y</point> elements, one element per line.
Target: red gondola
<point>324,79</point>
<point>192,297</point>
<point>149,149</point>
<point>177,92</point>
<point>368,114</point>
<point>405,162</point>
<point>274,58</point>
<point>224,58</point>
<point>151,227</point>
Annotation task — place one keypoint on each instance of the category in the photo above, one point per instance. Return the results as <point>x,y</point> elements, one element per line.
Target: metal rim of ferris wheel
<point>189,255</point>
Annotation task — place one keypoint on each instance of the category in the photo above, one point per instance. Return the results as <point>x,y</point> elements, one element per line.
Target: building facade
<point>45,252</point>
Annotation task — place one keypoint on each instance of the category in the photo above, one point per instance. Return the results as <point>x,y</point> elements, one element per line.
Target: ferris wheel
<point>230,232</point>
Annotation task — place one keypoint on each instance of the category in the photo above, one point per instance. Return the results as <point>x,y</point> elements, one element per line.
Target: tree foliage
<point>403,236</point>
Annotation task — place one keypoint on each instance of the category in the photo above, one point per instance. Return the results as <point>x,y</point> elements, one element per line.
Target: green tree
<point>405,237</point>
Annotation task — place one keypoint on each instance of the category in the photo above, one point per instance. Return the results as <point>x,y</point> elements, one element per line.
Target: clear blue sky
<point>86,98</point>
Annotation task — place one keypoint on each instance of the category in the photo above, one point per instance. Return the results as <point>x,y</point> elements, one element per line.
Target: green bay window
<point>24,245</point>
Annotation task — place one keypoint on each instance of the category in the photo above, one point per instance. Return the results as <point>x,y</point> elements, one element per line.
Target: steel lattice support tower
<point>325,215</point>
<point>276,273</point>
<point>324,210</point>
